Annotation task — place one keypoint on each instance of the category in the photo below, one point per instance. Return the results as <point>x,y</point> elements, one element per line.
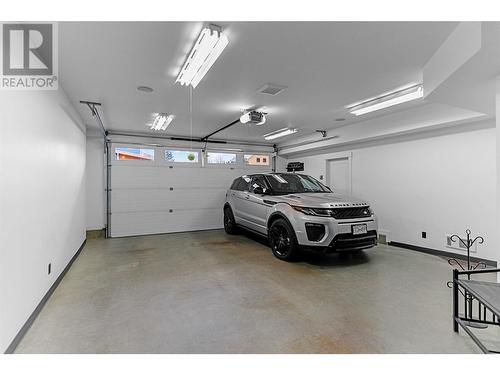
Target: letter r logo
<point>27,49</point>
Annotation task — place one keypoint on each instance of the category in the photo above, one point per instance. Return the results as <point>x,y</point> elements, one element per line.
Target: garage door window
<point>254,159</point>
<point>181,156</point>
<point>221,158</point>
<point>141,154</point>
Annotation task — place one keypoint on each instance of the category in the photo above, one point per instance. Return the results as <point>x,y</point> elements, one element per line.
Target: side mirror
<point>258,190</point>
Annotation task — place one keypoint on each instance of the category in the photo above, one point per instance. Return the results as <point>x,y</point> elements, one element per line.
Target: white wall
<point>96,183</point>
<point>281,163</point>
<point>42,214</point>
<point>440,185</point>
<point>498,166</point>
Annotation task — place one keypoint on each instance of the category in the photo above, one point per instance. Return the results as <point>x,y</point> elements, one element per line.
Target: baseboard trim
<point>13,345</point>
<point>441,253</point>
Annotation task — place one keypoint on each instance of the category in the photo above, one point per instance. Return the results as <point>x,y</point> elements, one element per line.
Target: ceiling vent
<point>271,89</point>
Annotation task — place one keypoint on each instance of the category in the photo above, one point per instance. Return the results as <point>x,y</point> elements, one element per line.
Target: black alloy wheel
<point>283,241</point>
<point>229,223</point>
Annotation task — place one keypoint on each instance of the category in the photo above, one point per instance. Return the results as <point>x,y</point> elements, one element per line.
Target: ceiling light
<point>161,121</point>
<point>388,100</point>
<point>253,117</point>
<point>279,133</point>
<point>145,89</point>
<point>209,45</point>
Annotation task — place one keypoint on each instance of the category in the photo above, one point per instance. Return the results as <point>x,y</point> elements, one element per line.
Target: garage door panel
<point>141,223</point>
<point>130,200</point>
<point>133,177</point>
<point>142,196</point>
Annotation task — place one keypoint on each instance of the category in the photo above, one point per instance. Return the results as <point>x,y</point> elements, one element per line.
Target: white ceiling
<point>325,65</point>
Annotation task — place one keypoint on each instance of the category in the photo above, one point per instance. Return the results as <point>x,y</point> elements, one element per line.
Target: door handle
<point>247,197</point>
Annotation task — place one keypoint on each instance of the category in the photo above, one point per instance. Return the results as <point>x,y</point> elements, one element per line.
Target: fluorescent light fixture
<point>161,121</point>
<point>279,133</point>
<point>388,100</point>
<point>208,47</point>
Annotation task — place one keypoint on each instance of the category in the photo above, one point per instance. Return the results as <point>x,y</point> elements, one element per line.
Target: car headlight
<point>313,211</point>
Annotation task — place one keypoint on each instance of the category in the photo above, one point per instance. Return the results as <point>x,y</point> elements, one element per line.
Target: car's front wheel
<point>283,241</point>
<point>229,223</point>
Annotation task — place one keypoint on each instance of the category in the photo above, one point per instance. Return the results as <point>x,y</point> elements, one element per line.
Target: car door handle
<point>247,197</point>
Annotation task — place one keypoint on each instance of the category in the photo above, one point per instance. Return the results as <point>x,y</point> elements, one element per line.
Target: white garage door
<point>164,190</point>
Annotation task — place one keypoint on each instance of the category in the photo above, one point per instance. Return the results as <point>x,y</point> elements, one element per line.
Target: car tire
<point>229,222</point>
<point>283,241</point>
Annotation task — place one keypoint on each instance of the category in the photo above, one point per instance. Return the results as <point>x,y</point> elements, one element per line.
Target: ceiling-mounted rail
<point>188,139</point>
<point>205,138</point>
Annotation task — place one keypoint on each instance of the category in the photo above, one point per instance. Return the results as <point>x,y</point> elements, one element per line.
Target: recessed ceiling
<point>324,65</point>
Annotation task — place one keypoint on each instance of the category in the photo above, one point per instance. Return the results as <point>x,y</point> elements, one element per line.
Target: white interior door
<point>339,175</point>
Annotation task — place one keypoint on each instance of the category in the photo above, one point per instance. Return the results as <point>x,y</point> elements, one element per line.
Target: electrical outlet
<point>424,234</point>
<point>459,245</point>
<point>49,269</point>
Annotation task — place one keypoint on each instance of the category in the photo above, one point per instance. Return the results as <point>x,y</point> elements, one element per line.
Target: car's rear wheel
<point>229,223</point>
<point>283,241</point>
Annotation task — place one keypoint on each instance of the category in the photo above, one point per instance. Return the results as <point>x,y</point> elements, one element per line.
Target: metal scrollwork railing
<point>467,243</point>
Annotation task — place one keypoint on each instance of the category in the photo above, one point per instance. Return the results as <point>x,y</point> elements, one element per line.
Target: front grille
<point>347,241</point>
<point>351,212</point>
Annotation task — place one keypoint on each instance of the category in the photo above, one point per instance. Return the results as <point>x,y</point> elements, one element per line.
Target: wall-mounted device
<point>295,166</point>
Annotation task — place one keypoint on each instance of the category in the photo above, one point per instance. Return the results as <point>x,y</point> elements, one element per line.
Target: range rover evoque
<point>296,212</point>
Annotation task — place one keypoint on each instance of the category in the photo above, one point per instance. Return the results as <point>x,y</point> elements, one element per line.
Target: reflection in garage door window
<point>181,156</point>
<point>251,159</point>
<point>221,158</point>
<point>126,153</point>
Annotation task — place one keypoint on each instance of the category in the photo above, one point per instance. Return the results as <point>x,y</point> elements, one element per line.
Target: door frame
<point>343,155</point>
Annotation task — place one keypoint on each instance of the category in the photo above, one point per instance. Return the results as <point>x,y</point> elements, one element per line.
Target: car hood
<point>321,200</point>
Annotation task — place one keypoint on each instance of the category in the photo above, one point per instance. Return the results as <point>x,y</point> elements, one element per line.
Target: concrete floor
<point>207,292</point>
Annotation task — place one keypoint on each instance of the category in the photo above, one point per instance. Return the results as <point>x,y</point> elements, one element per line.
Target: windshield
<point>284,183</point>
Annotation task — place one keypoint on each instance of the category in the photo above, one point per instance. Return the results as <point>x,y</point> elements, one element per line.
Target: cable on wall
<point>191,116</point>
<point>93,106</point>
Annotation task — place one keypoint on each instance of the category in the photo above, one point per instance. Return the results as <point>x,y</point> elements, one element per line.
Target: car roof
<point>270,174</point>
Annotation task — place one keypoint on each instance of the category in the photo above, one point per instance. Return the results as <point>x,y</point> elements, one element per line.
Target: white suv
<point>297,212</point>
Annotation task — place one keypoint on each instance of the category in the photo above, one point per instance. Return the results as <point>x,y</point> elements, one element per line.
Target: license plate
<point>359,229</point>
